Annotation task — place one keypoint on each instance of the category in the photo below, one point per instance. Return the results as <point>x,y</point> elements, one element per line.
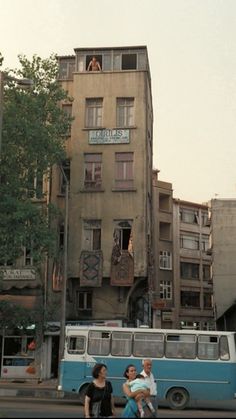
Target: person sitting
<point>94,65</point>
<point>139,383</point>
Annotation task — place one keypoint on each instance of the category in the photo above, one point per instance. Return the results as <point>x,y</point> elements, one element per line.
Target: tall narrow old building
<point>109,169</point>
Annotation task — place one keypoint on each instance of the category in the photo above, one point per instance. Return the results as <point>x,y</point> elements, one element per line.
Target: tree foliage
<point>33,140</point>
<point>16,317</point>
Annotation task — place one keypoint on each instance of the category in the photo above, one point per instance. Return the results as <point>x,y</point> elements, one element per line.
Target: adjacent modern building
<point>183,294</point>
<point>194,304</point>
<point>223,249</point>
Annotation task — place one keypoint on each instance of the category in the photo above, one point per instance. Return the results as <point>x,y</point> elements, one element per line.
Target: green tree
<point>34,132</point>
<point>33,139</point>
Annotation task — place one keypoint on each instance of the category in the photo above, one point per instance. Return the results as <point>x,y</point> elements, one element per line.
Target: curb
<point>37,393</point>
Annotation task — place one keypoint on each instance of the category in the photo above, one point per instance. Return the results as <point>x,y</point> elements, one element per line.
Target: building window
<point>61,236</point>
<point>189,270</point>
<point>189,241</point>
<point>113,60</point>
<point>123,234</point>
<point>164,202</point>
<point>28,259</point>
<point>165,260</point>
<point>35,184</point>
<point>166,290</point>
<point>94,113</point>
<point>125,112</point>
<point>125,61</point>
<point>67,109</point>
<point>164,230</point>
<point>92,235</point>
<point>206,272</point>
<point>124,178</point>
<point>66,69</point>
<point>66,168</point>
<point>129,61</point>
<point>190,299</point>
<point>204,243</point>
<point>207,300</point>
<point>93,171</point>
<point>189,216</point>
<point>89,58</point>
<point>84,301</point>
<point>205,219</point>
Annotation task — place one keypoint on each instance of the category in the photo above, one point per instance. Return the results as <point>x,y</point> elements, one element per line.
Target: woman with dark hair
<point>99,401</point>
<point>131,408</point>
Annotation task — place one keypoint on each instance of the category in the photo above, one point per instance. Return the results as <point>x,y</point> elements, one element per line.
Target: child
<point>140,384</point>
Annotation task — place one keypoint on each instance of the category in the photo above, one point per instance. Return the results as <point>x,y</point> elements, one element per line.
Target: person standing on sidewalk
<point>149,378</point>
<point>99,401</point>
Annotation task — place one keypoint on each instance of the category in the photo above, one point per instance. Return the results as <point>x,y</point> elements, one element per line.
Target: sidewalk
<point>46,389</point>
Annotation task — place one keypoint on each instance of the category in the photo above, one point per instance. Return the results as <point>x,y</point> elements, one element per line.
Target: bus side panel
<point>72,375</point>
<point>202,380</point>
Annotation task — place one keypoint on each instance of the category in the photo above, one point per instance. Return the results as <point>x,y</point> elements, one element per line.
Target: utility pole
<point>65,257</point>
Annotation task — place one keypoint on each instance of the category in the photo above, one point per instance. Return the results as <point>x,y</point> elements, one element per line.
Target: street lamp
<point>21,83</point>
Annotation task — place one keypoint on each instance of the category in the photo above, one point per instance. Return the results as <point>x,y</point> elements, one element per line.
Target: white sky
<point>192,56</point>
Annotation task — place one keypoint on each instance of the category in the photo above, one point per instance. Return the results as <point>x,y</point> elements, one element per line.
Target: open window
<point>89,58</point>
<point>129,62</point>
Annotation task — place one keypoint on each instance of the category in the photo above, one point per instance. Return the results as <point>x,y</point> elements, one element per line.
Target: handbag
<point>96,406</point>
<point>96,409</point>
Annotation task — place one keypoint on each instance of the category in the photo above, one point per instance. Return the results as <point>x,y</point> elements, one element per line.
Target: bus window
<point>208,347</point>
<point>76,345</point>
<point>181,346</point>
<point>121,344</point>
<point>148,345</point>
<point>99,343</point>
<point>224,348</point>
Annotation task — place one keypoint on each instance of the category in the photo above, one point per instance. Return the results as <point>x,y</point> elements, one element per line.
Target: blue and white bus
<point>187,364</point>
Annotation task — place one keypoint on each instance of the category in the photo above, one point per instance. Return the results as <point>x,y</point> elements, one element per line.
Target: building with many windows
<point>109,168</point>
<point>192,266</point>
<point>183,294</point>
<point>223,250</point>
<point>163,302</point>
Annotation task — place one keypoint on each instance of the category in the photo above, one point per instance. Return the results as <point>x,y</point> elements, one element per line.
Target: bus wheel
<point>82,393</point>
<point>177,398</point>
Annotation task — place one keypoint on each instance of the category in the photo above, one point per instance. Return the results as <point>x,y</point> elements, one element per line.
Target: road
<point>44,408</point>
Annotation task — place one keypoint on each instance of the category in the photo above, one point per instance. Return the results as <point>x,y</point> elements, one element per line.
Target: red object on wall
<point>32,345</point>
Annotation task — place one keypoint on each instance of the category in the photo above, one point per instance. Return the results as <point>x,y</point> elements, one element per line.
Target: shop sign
<point>109,136</point>
<point>15,274</point>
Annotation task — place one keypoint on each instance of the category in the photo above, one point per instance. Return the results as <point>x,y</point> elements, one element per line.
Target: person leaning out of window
<point>94,65</point>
